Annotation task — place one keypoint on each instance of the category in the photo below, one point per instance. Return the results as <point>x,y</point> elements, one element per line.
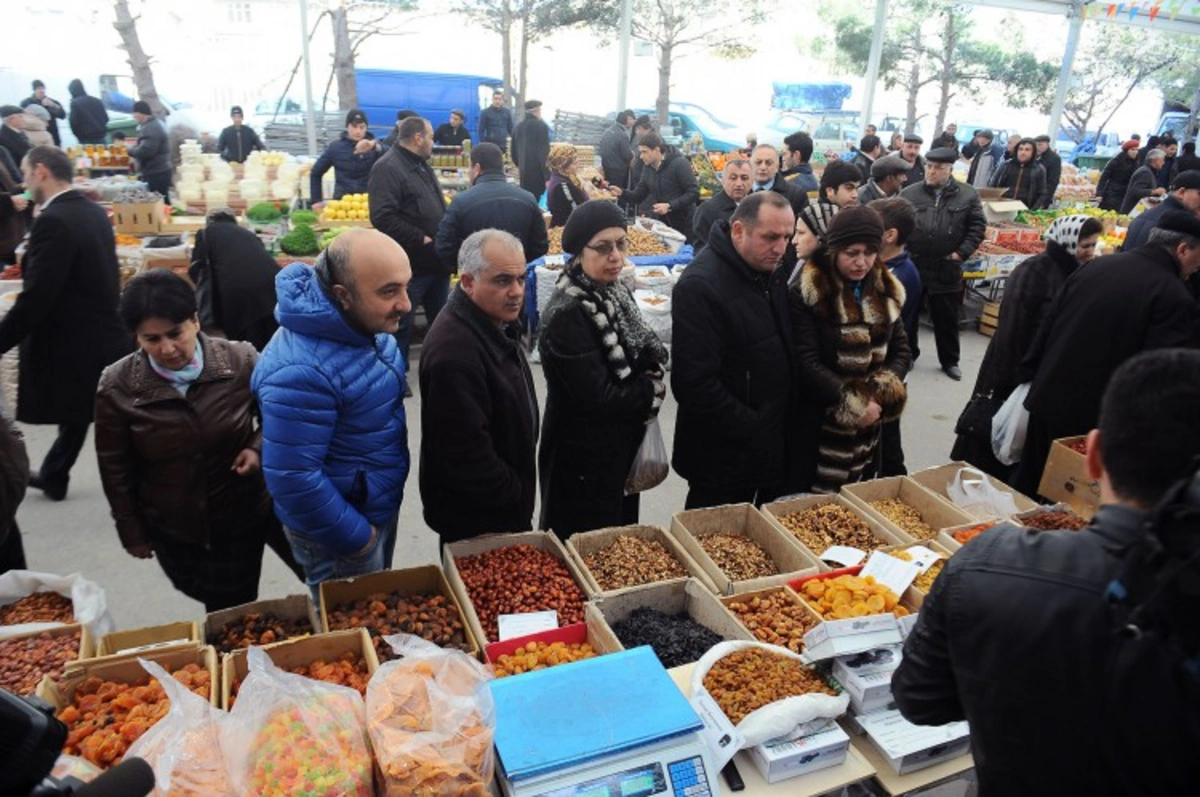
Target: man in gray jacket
<point>152,150</point>
<point>616,152</point>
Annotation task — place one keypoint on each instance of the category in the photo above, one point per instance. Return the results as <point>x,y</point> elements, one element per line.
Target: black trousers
<point>1039,436</point>
<point>160,183</point>
<point>701,496</point>
<point>12,552</point>
<point>943,312</point>
<point>56,467</point>
<point>891,458</point>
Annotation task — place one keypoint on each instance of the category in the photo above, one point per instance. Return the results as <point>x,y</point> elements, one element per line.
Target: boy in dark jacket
<point>668,182</point>
<point>88,119</point>
<point>351,157</point>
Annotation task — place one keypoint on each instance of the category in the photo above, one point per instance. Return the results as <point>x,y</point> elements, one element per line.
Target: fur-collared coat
<point>848,351</point>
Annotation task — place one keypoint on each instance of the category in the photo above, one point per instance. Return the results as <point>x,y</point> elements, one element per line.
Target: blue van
<point>383,92</point>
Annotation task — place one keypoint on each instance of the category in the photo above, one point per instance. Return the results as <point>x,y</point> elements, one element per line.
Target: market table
<point>856,768</point>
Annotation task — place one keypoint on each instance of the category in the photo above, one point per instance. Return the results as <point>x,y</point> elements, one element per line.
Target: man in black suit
<point>65,318</point>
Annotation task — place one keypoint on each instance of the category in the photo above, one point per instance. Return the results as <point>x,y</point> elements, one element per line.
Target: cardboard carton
<point>86,648</point>
<point>792,560</point>
<point>867,677</point>
<point>426,579</point>
<point>936,512</point>
<point>907,747</point>
<point>542,540</point>
<point>293,607</point>
<point>125,669</point>
<point>1066,479</point>
<point>938,479</point>
<point>914,598</point>
<point>945,537</point>
<point>793,755</point>
<point>140,640</point>
<point>788,594</point>
<point>849,636</point>
<point>688,597</point>
<point>590,631</point>
<point>999,210</point>
<point>138,218</point>
<point>776,510</point>
<point>299,652</point>
<point>580,546</point>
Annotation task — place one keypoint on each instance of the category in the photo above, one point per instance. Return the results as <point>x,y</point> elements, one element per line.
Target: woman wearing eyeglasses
<point>850,350</point>
<point>604,379</point>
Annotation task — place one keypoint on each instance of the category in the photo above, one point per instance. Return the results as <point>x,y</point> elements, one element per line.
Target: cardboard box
<point>681,596</point>
<point>86,649</point>
<point>293,607</point>
<point>590,631</point>
<point>907,747</point>
<point>426,579</point>
<point>125,669</point>
<point>914,598</point>
<point>1066,479</point>
<point>141,640</point>
<point>299,652</point>
<point>778,509</point>
<point>936,512</point>
<point>938,479</point>
<point>791,559</point>
<point>138,218</point>
<point>580,546</point>
<point>946,539</point>
<point>788,594</point>
<point>1002,210</point>
<point>793,755</point>
<point>542,540</point>
<point>867,677</point>
<point>849,636</point>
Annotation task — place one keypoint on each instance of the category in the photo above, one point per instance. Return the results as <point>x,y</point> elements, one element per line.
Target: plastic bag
<point>973,492</point>
<point>432,720</point>
<point>781,717</point>
<point>184,747</point>
<point>69,766</point>
<point>1009,427</point>
<point>293,735</point>
<point>656,312</point>
<point>651,464</point>
<point>89,604</point>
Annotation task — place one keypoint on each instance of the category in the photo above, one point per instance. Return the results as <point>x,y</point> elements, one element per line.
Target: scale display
<point>687,777</point>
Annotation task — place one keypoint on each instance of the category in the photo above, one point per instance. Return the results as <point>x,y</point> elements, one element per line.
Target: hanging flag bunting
<point>1113,9</point>
<point>1154,10</point>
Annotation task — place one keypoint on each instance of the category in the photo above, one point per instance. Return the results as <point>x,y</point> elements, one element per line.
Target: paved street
<point>77,535</point>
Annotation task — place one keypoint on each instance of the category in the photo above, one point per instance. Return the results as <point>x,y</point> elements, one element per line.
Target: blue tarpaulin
<point>809,96</point>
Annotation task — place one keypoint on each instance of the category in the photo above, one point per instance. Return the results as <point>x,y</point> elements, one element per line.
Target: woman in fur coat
<point>850,350</point>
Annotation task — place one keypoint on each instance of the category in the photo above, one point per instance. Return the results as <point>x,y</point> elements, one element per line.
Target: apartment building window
<point>239,13</point>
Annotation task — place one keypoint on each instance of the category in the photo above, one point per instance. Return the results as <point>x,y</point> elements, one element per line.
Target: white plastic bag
<point>775,719</point>
<point>655,279</point>
<point>89,604</point>
<point>656,312</point>
<point>651,465</point>
<point>1009,426</point>
<point>973,492</point>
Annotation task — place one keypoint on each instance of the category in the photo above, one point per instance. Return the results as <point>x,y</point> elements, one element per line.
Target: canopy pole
<point>623,68</point>
<point>873,63</point>
<point>310,123</point>
<point>1075,26</point>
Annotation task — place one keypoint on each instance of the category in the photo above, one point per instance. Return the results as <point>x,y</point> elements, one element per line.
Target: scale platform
<point>612,726</point>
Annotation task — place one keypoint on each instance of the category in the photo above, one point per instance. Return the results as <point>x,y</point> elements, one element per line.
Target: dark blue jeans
<point>323,564</point>
<point>429,291</point>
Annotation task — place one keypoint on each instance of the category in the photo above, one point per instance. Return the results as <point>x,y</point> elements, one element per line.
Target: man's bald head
<point>368,274</point>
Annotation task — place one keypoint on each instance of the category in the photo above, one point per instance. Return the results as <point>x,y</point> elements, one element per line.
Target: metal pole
<point>1075,26</point>
<point>310,123</point>
<point>1190,133</point>
<point>873,63</point>
<point>623,69</point>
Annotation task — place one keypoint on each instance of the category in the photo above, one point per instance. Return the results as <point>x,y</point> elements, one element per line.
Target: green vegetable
<point>301,241</point>
<point>264,212</point>
<point>304,217</point>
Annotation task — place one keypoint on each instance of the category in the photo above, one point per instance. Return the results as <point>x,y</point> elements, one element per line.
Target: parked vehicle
<point>684,120</point>
<point>383,92</point>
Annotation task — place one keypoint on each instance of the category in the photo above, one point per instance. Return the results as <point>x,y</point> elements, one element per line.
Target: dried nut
<point>631,561</point>
<point>518,579</point>
<point>23,662</point>
<point>40,607</point>
<point>430,616</point>
<point>748,679</point>
<point>775,619</point>
<point>923,582</point>
<point>1054,520</point>
<point>676,639</point>
<point>819,528</point>
<point>906,517</point>
<point>963,536</point>
<point>258,629</point>
<point>540,655</point>
<point>641,242</point>
<point>739,558</point>
<point>844,597</point>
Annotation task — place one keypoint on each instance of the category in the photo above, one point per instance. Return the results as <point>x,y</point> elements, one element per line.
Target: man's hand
<point>19,203</point>
<point>1158,192</point>
<point>615,190</point>
<point>247,462</point>
<point>955,256</point>
<point>371,542</point>
<point>366,145</point>
<point>141,551</point>
<point>871,416</point>
<point>661,208</point>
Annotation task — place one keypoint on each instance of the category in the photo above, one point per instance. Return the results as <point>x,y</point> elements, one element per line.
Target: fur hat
<point>857,224</point>
<point>588,219</point>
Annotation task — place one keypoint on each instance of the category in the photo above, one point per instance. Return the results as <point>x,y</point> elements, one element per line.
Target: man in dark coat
<point>1114,180</point>
<point>987,155</point>
<point>947,138</point>
<point>735,186</point>
<point>53,107</point>
<point>352,156</point>
<point>797,152</point>
<point>615,151</point>
<point>1052,163</point>
<point>1144,182</point>
<point>765,161</point>
<point>496,122</point>
<point>870,149</point>
<point>531,147</point>
<point>65,318</point>
<point>1184,196</point>
<point>407,205</point>
<point>731,358</point>
<point>667,183</point>
<point>152,150</point>
<point>1187,162</point>
<point>479,409</point>
<point>950,227</point>
<point>452,133</point>
<point>237,141</point>
<point>1105,708</point>
<point>234,277</point>
<point>911,152</point>
<point>888,176</point>
<point>1106,313</point>
<point>12,137</point>
<point>89,119</point>
<point>1023,178</point>
<point>491,203</point>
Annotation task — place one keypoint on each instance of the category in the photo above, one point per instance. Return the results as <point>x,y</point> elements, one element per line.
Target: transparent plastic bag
<point>292,735</point>
<point>651,465</point>
<point>69,766</point>
<point>88,601</point>
<point>431,719</point>
<point>184,747</point>
<point>1010,426</point>
<point>973,492</point>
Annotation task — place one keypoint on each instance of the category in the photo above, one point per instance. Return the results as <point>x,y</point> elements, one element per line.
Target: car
<point>834,133</point>
<point>685,120</point>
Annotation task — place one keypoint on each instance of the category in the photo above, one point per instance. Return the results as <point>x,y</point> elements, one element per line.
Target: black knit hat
<point>856,224</point>
<point>141,106</point>
<point>588,219</point>
<point>838,173</point>
<point>356,117</point>
<point>1178,221</point>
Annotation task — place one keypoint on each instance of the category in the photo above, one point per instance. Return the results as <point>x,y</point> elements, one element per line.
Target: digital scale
<point>612,726</point>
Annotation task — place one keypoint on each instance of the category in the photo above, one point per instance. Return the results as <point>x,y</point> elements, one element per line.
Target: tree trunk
<point>662,104</point>
<point>523,64</point>
<point>506,54</point>
<point>914,88</point>
<point>343,59</point>
<point>139,62</point>
<point>949,42</point>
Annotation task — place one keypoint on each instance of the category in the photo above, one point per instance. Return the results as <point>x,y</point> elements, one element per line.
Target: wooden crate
<point>138,218</point>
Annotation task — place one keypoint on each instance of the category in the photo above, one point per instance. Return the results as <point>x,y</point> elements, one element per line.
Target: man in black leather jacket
<point>1017,636</point>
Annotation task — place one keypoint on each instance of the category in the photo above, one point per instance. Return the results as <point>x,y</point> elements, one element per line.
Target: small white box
<point>795,754</point>
<point>853,635</point>
<point>909,747</point>
<point>867,677</point>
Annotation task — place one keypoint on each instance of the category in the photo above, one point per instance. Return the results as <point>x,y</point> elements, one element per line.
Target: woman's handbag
<point>975,422</point>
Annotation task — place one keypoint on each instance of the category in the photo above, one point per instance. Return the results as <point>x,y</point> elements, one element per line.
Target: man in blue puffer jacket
<point>331,388</point>
<point>351,157</point>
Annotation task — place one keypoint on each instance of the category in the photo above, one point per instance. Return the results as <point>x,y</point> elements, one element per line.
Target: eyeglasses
<point>605,248</point>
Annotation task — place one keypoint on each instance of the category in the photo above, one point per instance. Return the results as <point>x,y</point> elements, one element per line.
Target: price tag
<point>895,574</point>
<point>843,555</point>
<point>518,625</point>
<point>923,557</point>
<point>555,260</point>
<point>723,740</point>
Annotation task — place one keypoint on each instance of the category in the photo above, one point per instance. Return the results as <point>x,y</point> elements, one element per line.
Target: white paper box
<point>853,635</point>
<point>909,747</point>
<point>794,755</point>
<point>867,677</point>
